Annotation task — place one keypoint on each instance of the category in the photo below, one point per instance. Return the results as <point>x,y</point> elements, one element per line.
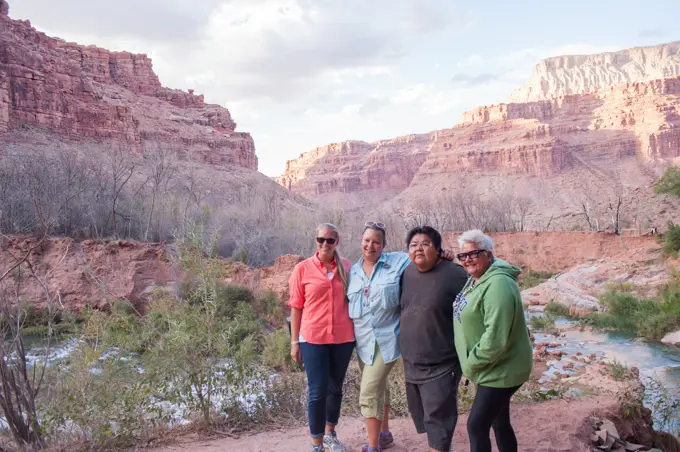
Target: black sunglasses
<point>474,254</point>
<point>330,240</point>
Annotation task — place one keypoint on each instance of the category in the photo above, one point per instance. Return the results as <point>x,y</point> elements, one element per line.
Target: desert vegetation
<point>651,318</point>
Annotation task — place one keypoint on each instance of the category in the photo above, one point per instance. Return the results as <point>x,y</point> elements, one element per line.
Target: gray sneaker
<point>332,443</point>
<point>318,448</point>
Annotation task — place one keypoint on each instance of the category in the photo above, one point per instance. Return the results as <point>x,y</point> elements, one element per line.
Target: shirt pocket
<point>389,295</point>
<point>355,302</point>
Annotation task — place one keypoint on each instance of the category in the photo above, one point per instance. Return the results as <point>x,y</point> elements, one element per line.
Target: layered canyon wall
<point>558,151</point>
<point>85,92</point>
<point>580,74</point>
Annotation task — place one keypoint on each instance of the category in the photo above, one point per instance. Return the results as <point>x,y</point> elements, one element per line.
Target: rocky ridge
<point>580,74</point>
<point>597,146</point>
<point>85,92</point>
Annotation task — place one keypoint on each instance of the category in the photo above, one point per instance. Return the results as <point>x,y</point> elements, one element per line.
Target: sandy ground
<point>554,425</point>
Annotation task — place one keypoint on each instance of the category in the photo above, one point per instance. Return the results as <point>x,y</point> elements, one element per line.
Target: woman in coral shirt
<point>322,334</point>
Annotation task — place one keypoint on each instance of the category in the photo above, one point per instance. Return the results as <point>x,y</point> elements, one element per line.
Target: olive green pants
<point>374,391</point>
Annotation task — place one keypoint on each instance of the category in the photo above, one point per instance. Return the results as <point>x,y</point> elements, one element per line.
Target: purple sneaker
<point>386,440</point>
<point>371,449</point>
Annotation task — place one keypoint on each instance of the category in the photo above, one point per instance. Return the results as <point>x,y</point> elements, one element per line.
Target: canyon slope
<point>58,97</point>
<point>559,152</point>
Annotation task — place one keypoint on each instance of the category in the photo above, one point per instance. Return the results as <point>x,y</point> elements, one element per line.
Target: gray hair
<point>477,237</point>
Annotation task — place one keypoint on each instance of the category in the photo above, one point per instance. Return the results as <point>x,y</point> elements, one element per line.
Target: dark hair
<point>381,230</point>
<point>429,231</point>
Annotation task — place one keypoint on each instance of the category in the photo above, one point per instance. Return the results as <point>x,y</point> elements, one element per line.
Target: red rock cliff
<point>556,151</point>
<point>84,91</point>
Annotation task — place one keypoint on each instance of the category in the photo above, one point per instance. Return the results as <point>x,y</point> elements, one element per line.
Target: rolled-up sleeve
<point>297,290</point>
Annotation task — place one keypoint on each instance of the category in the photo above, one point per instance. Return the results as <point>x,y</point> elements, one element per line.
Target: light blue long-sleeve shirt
<point>374,306</point>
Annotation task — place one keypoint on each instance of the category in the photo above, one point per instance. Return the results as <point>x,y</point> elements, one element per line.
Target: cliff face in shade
<point>580,74</point>
<point>88,92</point>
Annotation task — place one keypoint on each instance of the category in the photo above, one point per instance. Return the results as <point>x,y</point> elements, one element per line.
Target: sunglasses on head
<point>330,240</point>
<point>472,255</point>
<point>370,224</point>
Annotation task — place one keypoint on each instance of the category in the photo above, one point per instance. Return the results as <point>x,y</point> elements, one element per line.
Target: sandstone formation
<point>86,273</point>
<point>672,338</point>
<point>579,287</point>
<point>579,74</point>
<point>556,252</point>
<point>595,147</point>
<point>85,92</point>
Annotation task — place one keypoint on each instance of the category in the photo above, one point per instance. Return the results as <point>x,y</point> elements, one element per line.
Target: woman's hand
<point>295,354</point>
<point>447,254</point>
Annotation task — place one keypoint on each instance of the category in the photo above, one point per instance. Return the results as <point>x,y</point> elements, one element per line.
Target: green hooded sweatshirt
<point>491,335</point>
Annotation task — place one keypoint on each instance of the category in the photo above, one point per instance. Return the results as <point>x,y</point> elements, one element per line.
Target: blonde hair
<point>342,271</point>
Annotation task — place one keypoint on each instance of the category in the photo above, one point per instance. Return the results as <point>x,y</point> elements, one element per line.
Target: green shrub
<point>271,307</point>
<point>671,241</point>
<point>543,323</point>
<point>228,298</point>
<point>557,309</point>
<point>617,370</point>
<point>669,182</point>
<point>99,401</point>
<point>651,319</point>
<point>276,352</point>
<point>531,278</point>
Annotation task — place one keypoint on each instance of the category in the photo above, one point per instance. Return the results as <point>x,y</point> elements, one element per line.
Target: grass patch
<point>543,323</point>
<point>557,309</point>
<point>276,352</point>
<point>617,370</point>
<point>531,278</point>
<point>671,241</point>
<point>649,318</point>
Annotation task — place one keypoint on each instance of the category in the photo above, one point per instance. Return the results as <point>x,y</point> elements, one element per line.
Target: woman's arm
<point>499,315</point>
<point>295,320</point>
<point>297,304</point>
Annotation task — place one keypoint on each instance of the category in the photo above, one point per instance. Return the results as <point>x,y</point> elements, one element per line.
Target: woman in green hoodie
<point>492,340</point>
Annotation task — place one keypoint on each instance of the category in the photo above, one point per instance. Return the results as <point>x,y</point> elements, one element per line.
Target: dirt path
<point>547,426</point>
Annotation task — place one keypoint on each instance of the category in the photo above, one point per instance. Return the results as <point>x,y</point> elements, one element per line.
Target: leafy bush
<point>99,401</point>
<point>651,319</point>
<point>671,243</point>
<point>271,308</point>
<point>669,182</point>
<point>617,370</point>
<point>276,352</point>
<point>531,278</point>
<point>557,309</point>
<point>543,323</point>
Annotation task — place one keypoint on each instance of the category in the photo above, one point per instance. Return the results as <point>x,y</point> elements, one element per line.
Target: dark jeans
<point>491,408</point>
<point>434,409</point>
<point>326,366</point>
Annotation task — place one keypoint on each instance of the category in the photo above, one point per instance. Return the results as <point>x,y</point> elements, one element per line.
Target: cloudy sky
<point>303,73</point>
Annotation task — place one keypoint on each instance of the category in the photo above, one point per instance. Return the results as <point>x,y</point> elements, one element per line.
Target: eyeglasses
<point>370,224</point>
<point>423,245</point>
<point>330,240</point>
<point>472,255</point>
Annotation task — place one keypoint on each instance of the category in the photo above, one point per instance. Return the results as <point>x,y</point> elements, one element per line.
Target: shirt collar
<point>320,264</point>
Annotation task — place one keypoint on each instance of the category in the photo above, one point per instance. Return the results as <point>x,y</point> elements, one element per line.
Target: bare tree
<point>20,383</point>
<point>163,169</point>
<point>614,209</point>
<point>121,169</point>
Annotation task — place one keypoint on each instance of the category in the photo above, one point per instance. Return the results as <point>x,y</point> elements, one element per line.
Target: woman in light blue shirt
<point>373,295</point>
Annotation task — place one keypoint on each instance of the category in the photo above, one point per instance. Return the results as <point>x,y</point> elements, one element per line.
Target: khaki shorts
<point>374,392</point>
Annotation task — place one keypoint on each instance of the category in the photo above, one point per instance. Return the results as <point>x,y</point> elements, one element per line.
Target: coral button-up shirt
<point>325,315</point>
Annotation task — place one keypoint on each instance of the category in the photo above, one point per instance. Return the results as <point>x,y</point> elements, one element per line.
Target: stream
<point>654,359</point>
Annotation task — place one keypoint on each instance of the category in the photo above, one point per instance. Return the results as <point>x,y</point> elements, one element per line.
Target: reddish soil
<point>538,427</point>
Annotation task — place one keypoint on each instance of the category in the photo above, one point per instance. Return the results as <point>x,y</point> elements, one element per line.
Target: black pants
<point>491,408</point>
<point>434,409</point>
